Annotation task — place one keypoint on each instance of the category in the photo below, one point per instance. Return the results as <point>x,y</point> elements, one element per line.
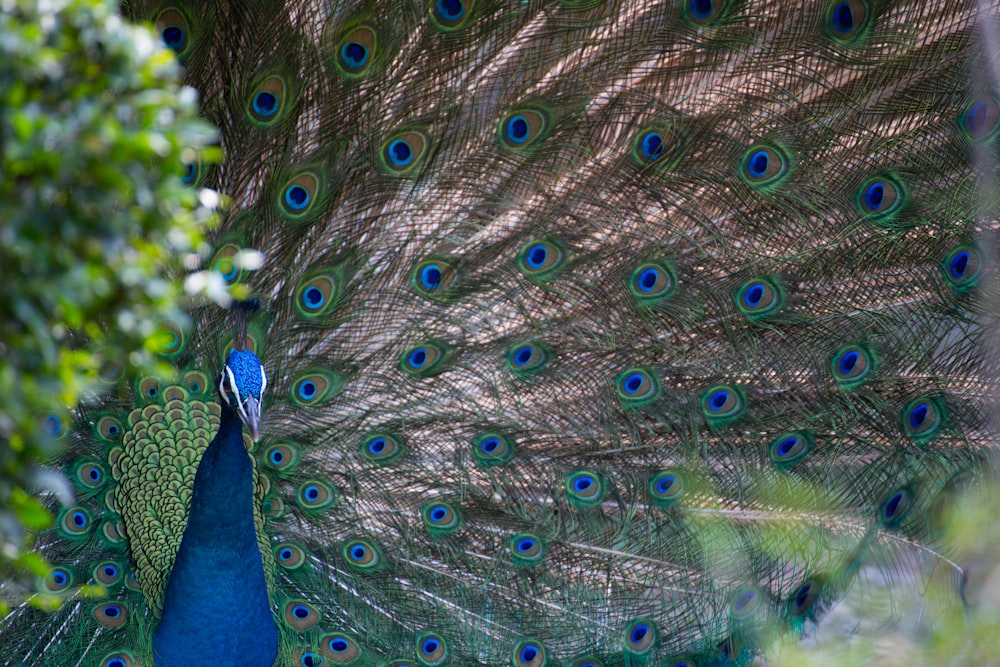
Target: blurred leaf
<point>94,223</point>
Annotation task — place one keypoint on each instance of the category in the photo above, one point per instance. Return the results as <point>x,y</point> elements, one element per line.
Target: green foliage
<point>94,219</point>
<point>942,607</point>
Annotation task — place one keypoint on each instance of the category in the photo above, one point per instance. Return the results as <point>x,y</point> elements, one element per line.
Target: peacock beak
<point>251,417</point>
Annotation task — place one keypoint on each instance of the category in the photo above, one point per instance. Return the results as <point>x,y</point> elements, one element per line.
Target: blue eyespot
<point>853,366</point>
<point>450,10</point>
<point>842,19</point>
<point>759,298</point>
<point>981,119</point>
<point>354,53</point>
<point>540,259</point>
<point>173,29</point>
<point>874,195</point>
<point>417,358</point>
<point>91,475</point>
<point>666,488</point>
<point>190,173</point>
<point>403,152</point>
<point>281,456</point>
<point>977,117</point>
<point>701,9</point>
<point>111,615</point>
<point>881,198</point>
<point>300,193</point>
<point>923,418</point>
<point>529,653</point>
<point>958,264</point>
<point>847,19</point>
<point>339,648</point>
<point>765,166</point>
<point>289,556</point>
<point>297,198</point>
<point>753,295</point>
<point>315,494</point>
<point>848,361</point>
<point>721,404</point>
<point>173,38</point>
<point>632,383</point>
<point>526,360</point>
<point>651,145</point>
<point>647,280</point>
<point>361,554</point>
<point>744,600</point>
<point>637,387</point>
<point>493,449</point>
<point>265,104</point>
<point>757,164</point>
<point>53,426</point>
<point>442,518</point>
<point>430,277</point>
<point>78,519</point>
<point>518,130</point>
<point>536,255</point>
<point>300,615</point>
<point>640,636</point>
<point>381,448</point>
<point>719,399</point>
<point>527,550</point>
<point>664,484</point>
<point>59,579</point>
<point>790,448</point>
<point>400,153</point>
<point>522,355</point>
<point>430,646</point>
<point>895,508</point>
<point>109,427</point>
<point>585,489</point>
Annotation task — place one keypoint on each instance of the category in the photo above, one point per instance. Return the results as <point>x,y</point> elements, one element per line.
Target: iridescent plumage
<point>592,331</point>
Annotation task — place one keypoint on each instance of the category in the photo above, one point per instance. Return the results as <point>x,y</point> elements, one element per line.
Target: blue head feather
<point>242,386</point>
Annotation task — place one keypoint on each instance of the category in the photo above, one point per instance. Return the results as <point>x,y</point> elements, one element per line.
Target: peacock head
<point>242,386</point>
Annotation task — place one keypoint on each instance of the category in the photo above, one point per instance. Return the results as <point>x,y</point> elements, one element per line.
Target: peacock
<point>586,333</point>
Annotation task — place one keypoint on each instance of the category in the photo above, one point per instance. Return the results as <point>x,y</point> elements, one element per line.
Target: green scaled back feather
<point>611,332</point>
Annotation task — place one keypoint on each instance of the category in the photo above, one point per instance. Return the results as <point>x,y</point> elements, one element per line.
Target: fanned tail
<point>594,332</point>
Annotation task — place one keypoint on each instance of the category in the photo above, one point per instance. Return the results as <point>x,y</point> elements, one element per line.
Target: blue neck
<point>216,611</point>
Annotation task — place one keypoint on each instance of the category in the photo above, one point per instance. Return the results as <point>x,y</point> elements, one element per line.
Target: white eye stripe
<point>263,381</point>
<point>232,385</point>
